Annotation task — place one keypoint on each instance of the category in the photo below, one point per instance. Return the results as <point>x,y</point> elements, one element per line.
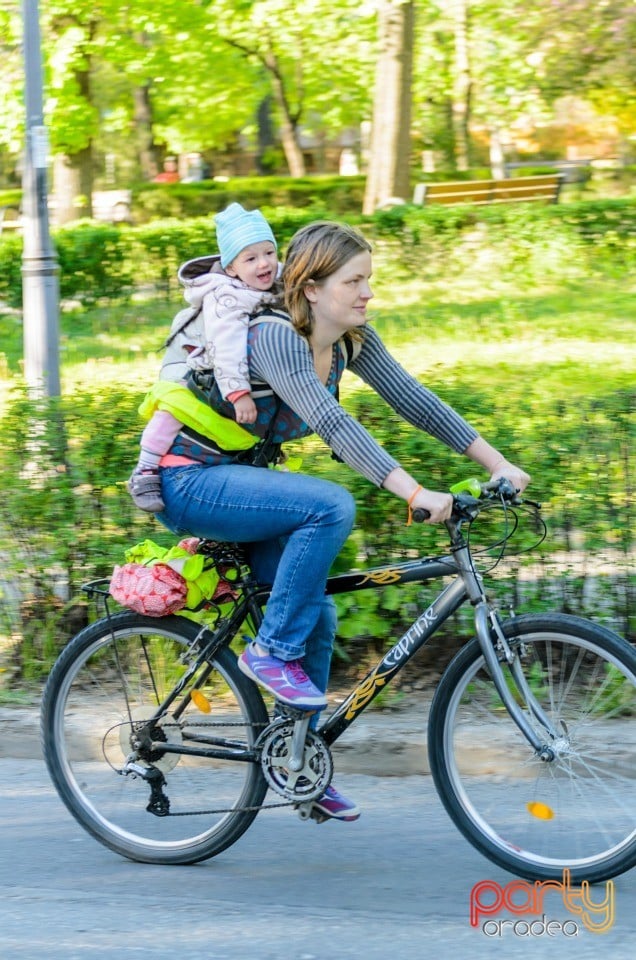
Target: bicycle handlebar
<point>469,492</point>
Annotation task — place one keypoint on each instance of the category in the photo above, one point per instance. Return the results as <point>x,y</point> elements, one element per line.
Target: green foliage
<point>95,262</point>
<point>65,515</point>
<point>153,200</point>
<point>11,269</point>
<point>161,246</point>
<point>532,351</point>
<point>11,198</point>
<point>521,243</point>
<point>616,694</point>
<point>66,463</point>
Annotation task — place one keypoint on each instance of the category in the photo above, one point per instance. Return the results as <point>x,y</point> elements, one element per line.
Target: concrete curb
<point>384,744</point>
<point>379,744</point>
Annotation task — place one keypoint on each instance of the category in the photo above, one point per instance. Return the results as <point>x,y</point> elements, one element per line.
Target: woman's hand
<point>496,464</point>
<point>402,484</point>
<point>439,505</point>
<point>517,477</point>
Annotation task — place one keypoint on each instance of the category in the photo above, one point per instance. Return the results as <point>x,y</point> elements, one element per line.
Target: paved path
<point>395,885</point>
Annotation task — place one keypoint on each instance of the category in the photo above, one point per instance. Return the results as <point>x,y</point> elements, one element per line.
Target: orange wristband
<point>409,519</point>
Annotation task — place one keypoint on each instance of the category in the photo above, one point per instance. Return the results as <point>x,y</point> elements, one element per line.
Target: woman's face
<point>341,300</point>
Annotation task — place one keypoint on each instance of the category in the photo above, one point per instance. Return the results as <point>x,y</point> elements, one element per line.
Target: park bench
<point>513,189</point>
<point>10,219</point>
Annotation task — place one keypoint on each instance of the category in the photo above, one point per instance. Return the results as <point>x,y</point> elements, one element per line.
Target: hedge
<point>104,262</point>
<point>65,515</point>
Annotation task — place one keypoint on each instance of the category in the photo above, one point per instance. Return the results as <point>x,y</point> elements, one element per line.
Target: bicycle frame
<point>443,606</point>
<point>466,584</point>
<point>413,571</point>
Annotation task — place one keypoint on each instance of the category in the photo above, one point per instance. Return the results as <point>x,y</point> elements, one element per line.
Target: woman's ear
<point>310,291</point>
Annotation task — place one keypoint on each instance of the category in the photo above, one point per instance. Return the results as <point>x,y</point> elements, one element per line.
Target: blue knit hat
<point>237,228</point>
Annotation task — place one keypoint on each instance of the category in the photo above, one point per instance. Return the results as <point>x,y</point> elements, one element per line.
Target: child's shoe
<point>144,487</point>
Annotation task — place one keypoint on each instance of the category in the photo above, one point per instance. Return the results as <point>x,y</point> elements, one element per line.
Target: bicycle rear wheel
<point>531,817</point>
<point>104,687</point>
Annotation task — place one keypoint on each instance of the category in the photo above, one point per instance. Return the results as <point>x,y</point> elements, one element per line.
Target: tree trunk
<point>288,122</point>
<point>73,174</point>
<point>462,87</point>
<point>265,135</point>
<point>497,159</point>
<point>388,172</point>
<point>66,188</point>
<point>142,120</point>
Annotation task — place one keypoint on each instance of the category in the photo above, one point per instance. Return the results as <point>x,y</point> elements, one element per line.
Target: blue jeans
<point>294,527</point>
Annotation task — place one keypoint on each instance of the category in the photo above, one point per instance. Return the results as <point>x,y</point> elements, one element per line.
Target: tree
<point>388,175</point>
<point>587,47</point>
<point>462,87</point>
<point>313,55</point>
<point>73,134</point>
<point>132,81</point>
<point>189,75</point>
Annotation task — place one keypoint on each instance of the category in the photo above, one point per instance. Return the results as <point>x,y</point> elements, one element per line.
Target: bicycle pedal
<point>290,713</point>
<point>307,811</point>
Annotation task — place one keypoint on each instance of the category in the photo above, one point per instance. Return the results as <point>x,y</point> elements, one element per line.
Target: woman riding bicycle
<point>294,525</point>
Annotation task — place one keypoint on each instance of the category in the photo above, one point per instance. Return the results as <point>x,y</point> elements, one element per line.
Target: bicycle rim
<point>532,817</point>
<point>105,685</point>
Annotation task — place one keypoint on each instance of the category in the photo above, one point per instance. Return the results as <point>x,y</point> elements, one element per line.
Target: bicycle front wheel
<point>104,688</point>
<point>532,817</point>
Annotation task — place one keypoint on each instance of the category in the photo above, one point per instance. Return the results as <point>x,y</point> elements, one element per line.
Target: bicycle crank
<point>298,771</point>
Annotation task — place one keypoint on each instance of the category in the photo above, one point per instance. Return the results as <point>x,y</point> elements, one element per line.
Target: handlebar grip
<point>420,515</point>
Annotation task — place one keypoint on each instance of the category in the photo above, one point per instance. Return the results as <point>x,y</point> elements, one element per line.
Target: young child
<point>238,283</point>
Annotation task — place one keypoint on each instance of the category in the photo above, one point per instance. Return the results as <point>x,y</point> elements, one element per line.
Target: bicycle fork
<point>496,648</point>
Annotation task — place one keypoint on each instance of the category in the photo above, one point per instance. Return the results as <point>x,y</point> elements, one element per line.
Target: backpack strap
<point>266,315</point>
<point>189,315</point>
<point>350,349</point>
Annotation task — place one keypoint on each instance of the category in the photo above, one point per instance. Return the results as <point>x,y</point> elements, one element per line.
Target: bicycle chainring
<point>297,786</point>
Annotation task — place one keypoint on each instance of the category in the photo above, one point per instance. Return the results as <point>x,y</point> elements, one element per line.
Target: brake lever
<point>464,506</point>
<point>501,486</point>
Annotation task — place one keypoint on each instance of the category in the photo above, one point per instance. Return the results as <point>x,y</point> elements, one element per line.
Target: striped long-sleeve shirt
<point>282,358</point>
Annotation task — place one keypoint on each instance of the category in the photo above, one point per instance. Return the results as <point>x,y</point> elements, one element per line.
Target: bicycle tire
<point>107,679</point>
<point>531,817</point>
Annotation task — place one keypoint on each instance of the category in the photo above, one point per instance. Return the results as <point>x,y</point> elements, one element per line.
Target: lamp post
<point>40,285</point>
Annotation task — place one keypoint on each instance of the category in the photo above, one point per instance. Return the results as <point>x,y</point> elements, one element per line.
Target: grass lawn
<point>578,337</point>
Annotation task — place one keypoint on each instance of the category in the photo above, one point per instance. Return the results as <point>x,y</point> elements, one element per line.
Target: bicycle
<point>164,751</point>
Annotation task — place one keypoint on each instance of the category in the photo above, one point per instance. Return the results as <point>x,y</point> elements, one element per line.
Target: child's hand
<point>245,409</point>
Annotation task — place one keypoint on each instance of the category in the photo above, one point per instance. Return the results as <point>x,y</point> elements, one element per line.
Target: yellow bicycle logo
<point>366,691</point>
<point>382,576</point>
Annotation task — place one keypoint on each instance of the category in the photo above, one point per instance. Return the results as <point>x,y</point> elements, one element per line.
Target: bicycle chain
<point>263,806</point>
<point>251,809</point>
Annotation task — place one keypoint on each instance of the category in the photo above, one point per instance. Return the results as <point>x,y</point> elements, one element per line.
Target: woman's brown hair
<point>315,252</point>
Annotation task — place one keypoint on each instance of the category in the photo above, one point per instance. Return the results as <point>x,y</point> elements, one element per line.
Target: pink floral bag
<point>155,591</point>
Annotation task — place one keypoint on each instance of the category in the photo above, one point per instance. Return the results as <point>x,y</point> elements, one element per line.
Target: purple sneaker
<point>334,804</point>
<point>285,679</point>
